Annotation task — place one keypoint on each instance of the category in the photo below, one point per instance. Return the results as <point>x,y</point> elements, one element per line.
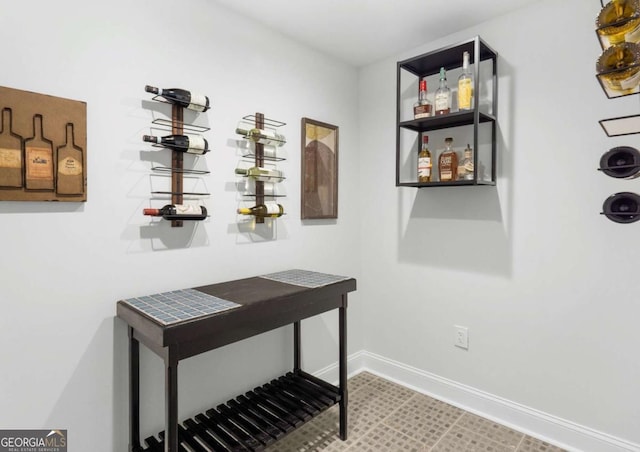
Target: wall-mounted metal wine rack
<point>177,170</point>
<point>258,155</point>
<point>620,207</point>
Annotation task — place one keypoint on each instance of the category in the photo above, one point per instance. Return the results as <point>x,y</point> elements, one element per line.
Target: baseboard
<point>549,428</point>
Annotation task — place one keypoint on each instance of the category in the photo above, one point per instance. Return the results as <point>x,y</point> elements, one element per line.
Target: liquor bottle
<point>182,97</point>
<point>266,210</point>
<point>11,159</point>
<point>191,144</point>
<point>443,95</point>
<point>178,212</point>
<point>623,207</point>
<point>70,175</point>
<point>422,108</point>
<point>619,21</point>
<point>424,161</point>
<point>263,174</point>
<point>465,85</point>
<point>465,168</point>
<point>448,163</point>
<point>618,67</point>
<point>39,158</point>
<point>621,162</point>
<point>263,136</point>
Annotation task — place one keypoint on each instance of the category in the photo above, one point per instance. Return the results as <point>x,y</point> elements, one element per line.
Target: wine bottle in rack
<point>262,174</point>
<point>619,21</point>
<point>178,212</point>
<point>191,144</point>
<point>182,97</point>
<point>11,159</point>
<point>618,67</point>
<point>622,207</point>
<point>621,162</point>
<point>70,180</point>
<point>266,210</point>
<point>263,136</point>
<point>39,158</point>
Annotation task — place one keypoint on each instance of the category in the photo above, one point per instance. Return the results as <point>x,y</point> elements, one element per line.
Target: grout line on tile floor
<point>448,430</point>
<point>521,441</point>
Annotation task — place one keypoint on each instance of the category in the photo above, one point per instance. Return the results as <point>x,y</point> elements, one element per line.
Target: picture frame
<point>319,180</point>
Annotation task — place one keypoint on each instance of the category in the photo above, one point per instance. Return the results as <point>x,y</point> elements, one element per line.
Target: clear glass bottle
<point>263,174</point>
<point>265,136</point>
<point>424,161</point>
<point>465,85</point>
<point>619,21</point>
<point>618,67</point>
<point>266,210</point>
<point>422,108</point>
<point>443,95</point>
<point>465,168</point>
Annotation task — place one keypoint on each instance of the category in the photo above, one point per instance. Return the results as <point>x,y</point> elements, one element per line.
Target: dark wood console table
<point>258,418</point>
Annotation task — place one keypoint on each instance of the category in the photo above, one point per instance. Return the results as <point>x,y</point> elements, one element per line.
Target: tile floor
<point>387,417</point>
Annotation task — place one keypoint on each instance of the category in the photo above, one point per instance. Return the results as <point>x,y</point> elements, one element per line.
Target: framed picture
<point>319,170</point>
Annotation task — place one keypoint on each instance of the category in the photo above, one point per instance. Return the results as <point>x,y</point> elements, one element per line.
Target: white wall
<point>64,266</point>
<point>546,285</point>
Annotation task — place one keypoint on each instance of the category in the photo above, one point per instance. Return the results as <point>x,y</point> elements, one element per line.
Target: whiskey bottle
<point>11,159</point>
<point>263,136</point>
<point>443,95</point>
<point>465,168</point>
<point>422,108</point>
<point>621,162</point>
<point>424,161</point>
<point>619,21</point>
<point>623,207</point>
<point>465,85</point>
<point>618,67</point>
<point>182,97</point>
<point>178,212</point>
<point>193,144</point>
<point>266,210</point>
<point>262,174</point>
<point>448,163</point>
<point>39,158</point>
<point>70,174</point>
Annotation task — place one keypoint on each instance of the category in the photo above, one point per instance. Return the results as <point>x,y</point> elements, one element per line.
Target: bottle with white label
<point>70,170</point>
<point>192,144</point>
<point>262,174</point>
<point>266,210</point>
<point>181,97</point>
<point>263,136</point>
<point>443,95</point>
<point>178,212</point>
<point>424,161</point>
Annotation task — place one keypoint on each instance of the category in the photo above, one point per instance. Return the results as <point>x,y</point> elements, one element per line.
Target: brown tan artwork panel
<point>43,147</point>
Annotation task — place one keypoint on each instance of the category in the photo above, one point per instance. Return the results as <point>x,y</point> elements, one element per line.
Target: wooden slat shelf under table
<point>263,415</point>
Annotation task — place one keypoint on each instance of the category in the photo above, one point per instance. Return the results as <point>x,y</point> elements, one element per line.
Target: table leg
<point>134,392</point>
<point>171,401</point>
<point>296,346</point>
<point>342,321</point>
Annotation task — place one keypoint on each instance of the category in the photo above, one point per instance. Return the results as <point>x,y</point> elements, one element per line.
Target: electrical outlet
<point>461,338</point>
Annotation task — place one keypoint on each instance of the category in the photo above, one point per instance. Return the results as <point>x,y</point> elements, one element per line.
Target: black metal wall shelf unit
<point>477,126</point>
